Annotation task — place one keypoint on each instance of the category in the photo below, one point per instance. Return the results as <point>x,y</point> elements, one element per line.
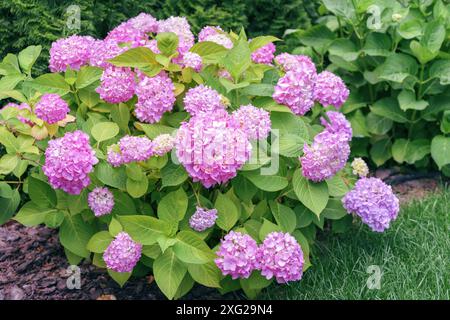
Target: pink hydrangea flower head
<point>155,96</point>
<point>126,32</point>
<point>135,149</point>
<point>101,201</point>
<point>220,38</point>
<point>280,256</point>
<point>102,51</point>
<point>208,31</point>
<point>203,219</point>
<point>338,124</point>
<point>255,122</point>
<point>74,51</point>
<point>211,148</point>
<point>223,73</point>
<point>265,54</point>
<point>299,63</point>
<point>117,84</point>
<point>114,156</point>
<point>122,253</point>
<point>163,144</point>
<point>295,90</point>
<point>373,201</point>
<point>20,107</point>
<point>202,99</point>
<point>68,162</point>
<point>51,108</point>
<point>330,89</point>
<point>144,22</point>
<point>192,60</point>
<point>237,255</point>
<point>180,26</point>
<point>327,155</point>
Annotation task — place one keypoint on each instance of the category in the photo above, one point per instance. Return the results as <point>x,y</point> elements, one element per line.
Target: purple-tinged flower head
<point>208,31</point>
<point>237,255</point>
<point>155,96</point>
<point>211,148</point>
<point>135,149</point>
<point>68,162</point>
<point>223,73</point>
<point>280,256</point>
<point>329,89</point>
<point>122,253</point>
<point>51,108</point>
<point>338,124</point>
<point>374,202</point>
<point>265,54</point>
<point>20,107</point>
<point>192,60</point>
<point>163,144</point>
<point>327,155</point>
<point>180,26</point>
<point>295,90</point>
<point>144,22</point>
<point>117,84</point>
<point>126,32</point>
<point>74,51</point>
<point>220,38</point>
<point>114,156</point>
<point>203,219</point>
<point>299,63</point>
<point>255,122</point>
<point>101,201</point>
<point>102,51</point>
<point>201,99</point>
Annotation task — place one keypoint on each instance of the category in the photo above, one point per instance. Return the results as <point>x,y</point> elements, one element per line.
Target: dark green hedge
<point>27,22</point>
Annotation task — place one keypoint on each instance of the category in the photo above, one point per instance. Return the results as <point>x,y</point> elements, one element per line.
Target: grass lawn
<point>413,255</point>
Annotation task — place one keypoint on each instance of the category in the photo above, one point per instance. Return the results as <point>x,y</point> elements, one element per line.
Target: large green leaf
<point>8,163</point>
<point>313,195</point>
<point>167,42</point>
<point>51,83</point>
<point>31,214</point>
<point>136,57</point>
<point>41,193</point>
<point>441,69</point>
<point>120,114</point>
<point>377,124</point>
<point>99,242</point>
<point>87,76</point>
<point>284,216</point>
<point>144,229</point>
<point>169,272</point>
<point>114,177</point>
<point>261,41</point>
<point>389,108</point>
<point>410,151</point>
<point>334,210</point>
<point>377,44</point>
<point>206,274</point>
<point>381,151</point>
<point>75,234</point>
<point>407,100</point>
<point>173,175</point>
<point>172,207</point>
<point>238,59</point>
<point>103,131</point>
<point>28,56</point>
<point>9,205</point>
<point>266,183</point>
<point>288,123</point>
<point>319,37</point>
<point>190,248</point>
<point>397,67</point>
<point>440,150</point>
<point>228,214</point>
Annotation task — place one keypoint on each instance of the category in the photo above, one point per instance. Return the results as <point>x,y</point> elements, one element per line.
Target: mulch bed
<point>33,264</point>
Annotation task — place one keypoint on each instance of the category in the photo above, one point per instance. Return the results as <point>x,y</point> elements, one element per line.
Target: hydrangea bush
<point>213,161</point>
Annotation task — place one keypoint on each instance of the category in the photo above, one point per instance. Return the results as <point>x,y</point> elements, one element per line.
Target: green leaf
<point>389,108</point>
<point>8,140</point>
<point>51,83</point>
<point>99,242</point>
<point>358,122</point>
<point>190,248</point>
<point>284,216</point>
<point>103,131</point>
<point>167,42</point>
<point>344,48</point>
<point>228,214</point>
<point>87,76</point>
<point>238,59</point>
<point>144,229</point>
<point>54,219</point>
<point>8,163</point>
<point>169,273</point>
<point>28,56</point>
<point>319,37</point>
<point>407,100</point>
<point>433,36</point>
<point>258,89</point>
<point>173,175</point>
<point>120,277</point>
<point>266,228</point>
<point>137,189</point>
<point>337,186</point>
<point>9,205</point>
<point>380,151</point>
<point>411,28</point>
<point>41,193</point>
<point>397,67</point>
<point>120,114</point>
<point>377,124</point>
<point>334,210</point>
<point>288,123</point>
<point>290,145</point>
<point>377,45</point>
<point>136,57</point>
<point>440,150</point>
<point>341,8</point>
<point>445,123</point>
<point>154,130</point>
<point>31,214</point>
<point>123,203</point>
<point>410,151</point>
<point>441,69</point>
<point>210,52</point>
<point>75,233</point>
<point>313,195</point>
<point>206,274</point>
<point>172,207</point>
<point>261,41</point>
<point>114,177</point>
<point>114,227</point>
<point>266,183</point>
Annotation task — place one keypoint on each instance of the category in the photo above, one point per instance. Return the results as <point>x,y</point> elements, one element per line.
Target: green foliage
<point>395,60</point>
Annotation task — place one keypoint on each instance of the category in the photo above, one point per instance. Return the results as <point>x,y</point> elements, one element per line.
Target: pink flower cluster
<point>155,96</point>
<point>300,63</point>
<point>74,51</point>
<point>192,60</point>
<point>255,122</point>
<point>130,149</point>
<point>265,54</point>
<point>211,148</point>
<point>215,34</point>
<point>202,99</point>
<point>203,219</point>
<point>122,253</point>
<point>68,162</point>
<point>279,256</point>
<point>102,51</point>
<point>329,89</point>
<point>117,84</point>
<point>134,30</point>
<point>51,108</point>
<point>180,26</point>
<point>163,144</point>
<point>373,201</point>
<point>337,124</point>
<point>101,201</point>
